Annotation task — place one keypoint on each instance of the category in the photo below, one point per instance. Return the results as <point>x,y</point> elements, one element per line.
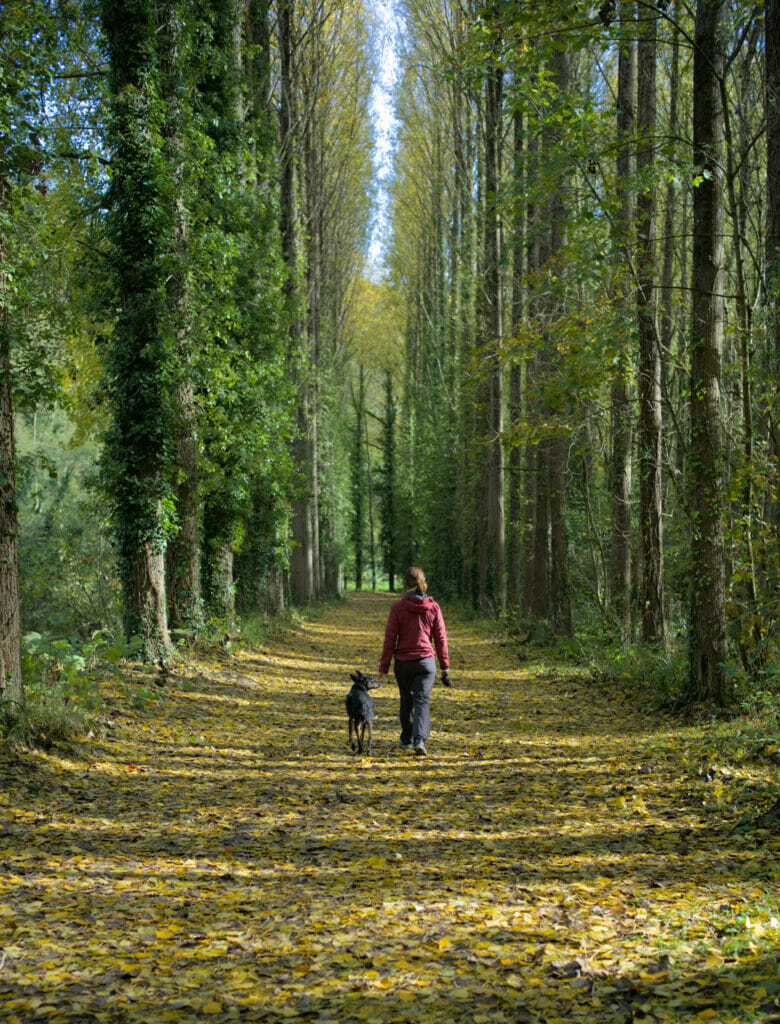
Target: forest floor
<point>220,855</point>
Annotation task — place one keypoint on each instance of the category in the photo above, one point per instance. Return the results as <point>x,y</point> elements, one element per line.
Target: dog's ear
<point>355,678</point>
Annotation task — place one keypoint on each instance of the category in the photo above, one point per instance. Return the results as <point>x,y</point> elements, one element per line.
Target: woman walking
<point>415,626</point>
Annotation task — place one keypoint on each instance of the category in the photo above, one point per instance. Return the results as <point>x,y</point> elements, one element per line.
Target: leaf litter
<point>220,855</point>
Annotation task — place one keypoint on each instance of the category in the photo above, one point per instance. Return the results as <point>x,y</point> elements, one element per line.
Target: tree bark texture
<point>649,381</point>
<point>621,391</point>
<point>558,447</point>
<point>708,622</point>
<point>540,595</point>
<point>560,589</point>
<point>301,556</point>
<point>772,92</point>
<point>183,550</point>
<point>494,83</point>
<point>10,618</point>
<point>515,405</point>
<point>531,452</point>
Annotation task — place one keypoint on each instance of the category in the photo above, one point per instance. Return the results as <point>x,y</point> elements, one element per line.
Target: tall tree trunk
<point>621,391</point>
<point>183,550</point>
<point>531,453</point>
<point>495,328</point>
<point>358,478</point>
<point>10,618</point>
<point>515,488</point>
<point>540,593</point>
<point>558,446</point>
<point>738,173</point>
<point>649,383</point>
<point>708,621</point>
<point>314,257</point>
<point>772,92</point>
<point>139,358</point>
<point>669,235</point>
<point>560,589</point>
<point>371,531</point>
<point>301,559</point>
<point>388,535</point>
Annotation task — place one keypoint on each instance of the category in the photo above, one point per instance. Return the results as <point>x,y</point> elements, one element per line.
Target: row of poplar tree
<point>185,204</point>
<point>581,416</point>
<point>586,236</point>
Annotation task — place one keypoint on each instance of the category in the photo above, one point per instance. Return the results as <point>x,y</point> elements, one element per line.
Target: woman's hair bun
<point>414,579</point>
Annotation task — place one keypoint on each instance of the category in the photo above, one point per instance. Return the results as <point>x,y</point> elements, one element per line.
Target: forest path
<point>222,856</point>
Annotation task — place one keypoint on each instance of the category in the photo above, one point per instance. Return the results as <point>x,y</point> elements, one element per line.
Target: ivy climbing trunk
<point>301,556</point>
<point>708,621</point>
<point>772,103</point>
<point>141,352</point>
<point>183,550</point>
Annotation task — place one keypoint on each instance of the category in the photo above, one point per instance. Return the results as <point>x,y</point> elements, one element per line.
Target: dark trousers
<point>415,682</point>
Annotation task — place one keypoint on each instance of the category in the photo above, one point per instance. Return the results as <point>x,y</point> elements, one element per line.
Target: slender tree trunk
<point>621,396</point>
<point>515,488</point>
<point>772,57</point>
<point>301,558</point>
<point>530,457</point>
<point>183,550</point>
<point>650,418</point>
<point>388,508</point>
<point>314,201</point>
<point>667,273</point>
<point>10,618</point>
<point>708,620</point>
<point>531,453</point>
<point>495,328</point>
<point>540,595</point>
<point>371,532</point>
<point>467,303</point>
<point>558,446</point>
<point>560,589</point>
<point>750,637</point>
<point>358,479</point>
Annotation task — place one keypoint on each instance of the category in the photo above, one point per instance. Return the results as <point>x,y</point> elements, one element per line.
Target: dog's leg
<point>360,732</point>
<point>370,731</point>
<point>352,744</point>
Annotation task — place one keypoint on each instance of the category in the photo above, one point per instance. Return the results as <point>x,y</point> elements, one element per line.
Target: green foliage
<point>243,389</point>
<point>68,575</point>
<point>141,353</point>
<point>61,696</point>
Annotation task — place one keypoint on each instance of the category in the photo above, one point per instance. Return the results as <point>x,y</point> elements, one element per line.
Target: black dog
<point>360,709</point>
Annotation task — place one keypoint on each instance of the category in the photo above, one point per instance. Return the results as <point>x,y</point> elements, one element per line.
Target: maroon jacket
<point>414,626</point>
